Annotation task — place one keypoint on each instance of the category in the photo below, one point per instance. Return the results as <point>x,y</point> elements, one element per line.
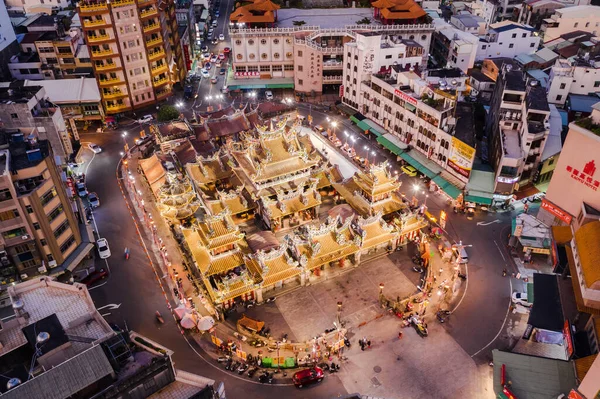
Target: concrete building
<point>135,50</point>
<point>28,107</point>
<point>573,190</point>
<point>534,12</point>
<point>507,39</point>
<point>57,345</point>
<point>313,59</point>
<point>469,23</point>
<point>576,75</point>
<point>485,9</point>
<point>517,127</point>
<point>8,42</point>
<point>39,228</point>
<point>422,113</point>
<point>452,47</point>
<point>565,20</point>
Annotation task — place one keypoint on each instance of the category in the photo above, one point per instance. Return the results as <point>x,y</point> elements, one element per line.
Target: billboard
<point>576,178</point>
<point>461,157</point>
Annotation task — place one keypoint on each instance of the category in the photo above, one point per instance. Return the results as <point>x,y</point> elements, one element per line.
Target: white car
<point>103,248</point>
<point>520,298</point>
<point>214,58</point>
<point>221,37</point>
<point>95,147</point>
<point>93,200</point>
<point>269,95</point>
<point>146,119</point>
<point>205,56</point>
<point>204,73</point>
<point>81,190</point>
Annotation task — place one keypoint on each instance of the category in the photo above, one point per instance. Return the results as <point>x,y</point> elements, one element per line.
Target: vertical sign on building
<point>74,129</point>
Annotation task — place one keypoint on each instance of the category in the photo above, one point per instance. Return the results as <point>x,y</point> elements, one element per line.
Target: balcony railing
<point>100,53</point>
<point>106,67</point>
<point>333,65</point>
<point>114,94</point>
<point>12,223</point>
<point>160,52</point>
<point>148,12</point>
<point>116,107</point>
<point>162,94</point>
<point>159,68</point>
<point>98,38</point>
<point>111,81</point>
<point>151,27</point>
<point>332,78</point>
<point>94,22</point>
<point>117,3</point>
<point>161,81</point>
<point>154,41</point>
<point>93,7</point>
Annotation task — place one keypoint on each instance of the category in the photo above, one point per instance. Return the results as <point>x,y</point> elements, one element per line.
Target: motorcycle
<point>418,269</point>
<point>222,359</point>
<point>229,364</point>
<point>252,371</point>
<point>272,299</point>
<point>242,368</point>
<point>334,368</point>
<point>265,378</point>
<point>442,316</point>
<point>126,253</point>
<point>234,366</point>
<point>347,342</point>
<point>462,276</point>
<point>159,317</point>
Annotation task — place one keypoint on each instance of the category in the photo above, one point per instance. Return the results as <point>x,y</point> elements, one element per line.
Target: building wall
<point>509,44</point>
<point>584,18</point>
<point>565,80</point>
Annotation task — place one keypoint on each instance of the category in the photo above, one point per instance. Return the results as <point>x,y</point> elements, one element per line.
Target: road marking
<point>9,317</point>
<point>499,250</point>
<point>99,285</point>
<point>488,223</point>
<point>105,314</point>
<point>110,306</point>
<point>466,288</point>
<point>501,327</point>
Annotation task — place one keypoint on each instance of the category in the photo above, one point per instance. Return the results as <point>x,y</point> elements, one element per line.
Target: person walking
<point>369,344</point>
<point>400,334</point>
<point>441,270</point>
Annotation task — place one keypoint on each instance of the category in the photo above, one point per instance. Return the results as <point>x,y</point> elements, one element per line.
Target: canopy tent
<point>251,324</point>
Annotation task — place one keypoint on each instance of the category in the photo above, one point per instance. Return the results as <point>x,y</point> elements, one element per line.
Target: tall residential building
<point>507,39</point>
<point>569,19</point>
<point>38,228</point>
<point>8,42</point>
<point>517,128</point>
<point>575,75</point>
<point>134,48</point>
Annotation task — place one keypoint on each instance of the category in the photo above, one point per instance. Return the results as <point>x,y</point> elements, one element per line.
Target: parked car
<point>204,73</point>
<point>103,248</point>
<point>81,190</point>
<point>214,80</point>
<point>214,58</point>
<point>215,41</point>
<point>205,55</point>
<point>215,23</point>
<point>521,298</point>
<point>269,95</point>
<point>309,376</point>
<point>93,200</point>
<point>95,147</point>
<point>409,170</point>
<point>222,71</point>
<point>207,66</point>
<point>95,276</point>
<point>224,89</point>
<point>204,49</point>
<point>221,56</point>
<point>146,119</point>
<point>221,37</point>
<point>227,50</point>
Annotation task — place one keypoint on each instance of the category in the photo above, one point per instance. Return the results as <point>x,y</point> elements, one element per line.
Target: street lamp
<point>345,134</point>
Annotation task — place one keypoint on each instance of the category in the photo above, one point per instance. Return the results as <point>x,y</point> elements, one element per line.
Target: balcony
<point>93,7</point>
<point>111,81</point>
<point>12,223</point>
<point>148,12</point>
<point>151,27</point>
<point>102,53</point>
<point>118,3</point>
<point>157,69</point>
<point>146,2</point>
<point>162,94</point>
<point>160,82</point>
<point>98,38</point>
<point>117,93</point>
<point>332,79</point>
<point>9,242</point>
<point>116,107</point>
<point>107,67</point>
<point>90,23</point>
<point>155,41</point>
<point>333,65</point>
<point>156,54</point>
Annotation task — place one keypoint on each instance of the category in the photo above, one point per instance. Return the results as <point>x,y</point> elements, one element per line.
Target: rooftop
<point>536,97</point>
<point>512,148</point>
<point>581,103</point>
<point>25,151</point>
<point>587,238</point>
<point>323,17</point>
<point>18,93</point>
<point>465,124</point>
<point>509,25</point>
<point>514,80</point>
<point>68,91</point>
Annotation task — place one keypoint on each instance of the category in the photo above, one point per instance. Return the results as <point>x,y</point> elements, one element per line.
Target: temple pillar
<point>357,258</point>
<point>303,278</point>
<point>259,295</point>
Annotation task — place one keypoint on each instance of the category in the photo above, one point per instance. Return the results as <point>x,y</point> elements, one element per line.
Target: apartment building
<point>485,9</point>
<point>135,50</point>
<point>565,20</point>
<point>507,39</point>
<point>518,126</point>
<point>534,12</point>
<point>8,42</point>
<point>452,47</point>
<point>28,107</point>
<point>313,59</point>
<point>421,113</point>
<point>575,75</point>
<point>38,228</point>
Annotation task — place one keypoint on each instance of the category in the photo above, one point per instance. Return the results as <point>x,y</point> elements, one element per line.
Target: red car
<point>95,276</point>
<point>308,376</point>
<point>226,50</point>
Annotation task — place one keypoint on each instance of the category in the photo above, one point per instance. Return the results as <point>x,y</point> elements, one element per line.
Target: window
<point>558,98</point>
<point>524,35</point>
<point>300,82</point>
<point>250,42</point>
<point>61,229</point>
<point>29,209</point>
<point>55,213</point>
<point>532,45</point>
<point>288,67</point>
<point>597,83</point>
<point>483,47</point>
<point>264,56</point>
<point>263,41</point>
<point>424,37</point>
<point>387,57</point>
<point>276,56</point>
<point>354,80</point>
<point>288,41</point>
<point>514,35</point>
<point>299,53</point>
<point>14,116</point>
<point>355,69</point>
<point>265,68</point>
<point>576,24</point>
<point>5,195</point>
<point>277,68</point>
<point>511,45</point>
<point>47,197</point>
<point>21,231</point>
<point>563,85</point>
<point>36,225</point>
<point>67,244</point>
<point>43,242</point>
<point>587,24</point>
<point>238,42</point>
<point>275,41</point>
<point>8,215</point>
<point>288,54</point>
<point>300,68</point>
<point>551,162</point>
<point>251,56</point>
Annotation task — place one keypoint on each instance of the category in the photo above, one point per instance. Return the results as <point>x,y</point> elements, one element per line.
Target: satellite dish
<point>42,337</point>
<point>454,82</point>
<point>533,83</point>
<point>412,69</point>
<point>18,304</point>
<point>13,382</point>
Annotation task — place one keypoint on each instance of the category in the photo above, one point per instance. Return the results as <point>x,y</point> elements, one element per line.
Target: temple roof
<point>376,231</point>
<point>288,206</point>
<point>399,9</point>
<point>209,170</point>
<point>154,172</point>
<point>218,230</point>
<point>259,11</point>
<point>377,180</point>
<point>228,125</point>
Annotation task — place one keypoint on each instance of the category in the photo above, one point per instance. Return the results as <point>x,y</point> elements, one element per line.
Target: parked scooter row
<point>251,367</point>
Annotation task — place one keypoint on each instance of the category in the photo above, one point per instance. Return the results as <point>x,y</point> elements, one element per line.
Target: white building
<point>452,47</point>
<point>518,127</point>
<point>565,20</point>
<point>422,113</point>
<point>531,12</point>
<point>507,39</point>
<point>8,42</point>
<point>485,9</point>
<point>575,75</point>
<point>469,23</point>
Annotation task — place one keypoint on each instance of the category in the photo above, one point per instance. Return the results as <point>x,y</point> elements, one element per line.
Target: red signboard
<point>246,75</point>
<point>341,91</point>
<point>556,211</point>
<point>405,97</point>
<point>575,395</point>
<point>186,54</point>
<point>568,338</point>
<point>585,176</point>
<point>459,169</point>
<point>71,185</point>
<point>508,393</point>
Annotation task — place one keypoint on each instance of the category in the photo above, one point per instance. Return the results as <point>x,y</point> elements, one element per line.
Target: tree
<point>167,113</point>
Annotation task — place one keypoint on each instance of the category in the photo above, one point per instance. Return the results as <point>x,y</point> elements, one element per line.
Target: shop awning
<point>478,200</point>
<point>388,142</point>
<point>374,128</point>
<point>362,125</point>
<point>417,165</point>
<point>447,187</point>
<point>357,117</point>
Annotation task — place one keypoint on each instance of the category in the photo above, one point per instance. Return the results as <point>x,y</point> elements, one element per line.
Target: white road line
<point>105,314</point>
<point>99,285</point>
<point>499,250</point>
<point>466,288</point>
<point>501,328</point>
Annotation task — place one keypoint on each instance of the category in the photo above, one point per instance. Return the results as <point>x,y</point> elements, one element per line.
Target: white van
<point>269,95</point>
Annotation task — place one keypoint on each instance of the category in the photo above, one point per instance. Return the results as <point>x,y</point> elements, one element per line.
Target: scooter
<point>462,276</point>
<point>334,368</point>
<point>242,368</point>
<point>272,299</point>
<point>347,342</point>
<point>126,253</point>
<point>252,371</point>
<point>159,317</point>
<point>418,269</point>
<point>229,364</point>
<point>222,359</point>
<point>234,366</point>
<point>266,378</point>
